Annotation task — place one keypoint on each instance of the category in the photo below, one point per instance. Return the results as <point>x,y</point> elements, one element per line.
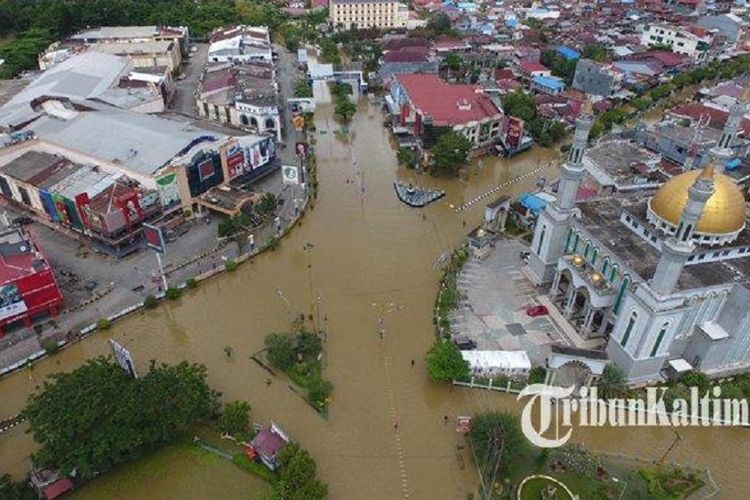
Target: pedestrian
<point>412,362</point>
<point>395,424</point>
<point>445,420</point>
<point>268,381</point>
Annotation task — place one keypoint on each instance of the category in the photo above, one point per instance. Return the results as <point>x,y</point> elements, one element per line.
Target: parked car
<point>535,311</point>
<point>464,343</point>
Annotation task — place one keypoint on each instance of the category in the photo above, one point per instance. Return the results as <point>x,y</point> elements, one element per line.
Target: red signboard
<point>154,238</point>
<point>206,169</point>
<point>235,164</point>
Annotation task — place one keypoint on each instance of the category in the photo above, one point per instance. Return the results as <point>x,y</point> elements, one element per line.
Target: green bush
<point>191,283</point>
<point>230,265</point>
<point>150,302</point>
<point>50,346</point>
<point>537,375</point>
<point>173,293</point>
<point>103,324</point>
<point>318,391</point>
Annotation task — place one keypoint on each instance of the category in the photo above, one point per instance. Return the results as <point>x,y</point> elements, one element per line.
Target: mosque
<point>662,280</point>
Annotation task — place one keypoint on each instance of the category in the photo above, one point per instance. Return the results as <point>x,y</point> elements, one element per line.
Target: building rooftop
<point>457,104</point>
<point>623,163</point>
<point>18,256</point>
<point>601,218</point>
<point>31,164</point>
<point>133,48</point>
<point>112,32</point>
<point>251,83</point>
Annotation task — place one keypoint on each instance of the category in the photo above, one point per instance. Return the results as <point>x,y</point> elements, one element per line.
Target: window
<point>541,239</point>
<point>605,266</point>
<point>621,294</point>
<point>659,338</point>
<point>629,329</point>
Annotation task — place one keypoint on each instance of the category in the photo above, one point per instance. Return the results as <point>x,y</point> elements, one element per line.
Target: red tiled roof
<point>666,58</point>
<point>504,74</point>
<point>530,67</point>
<point>267,442</point>
<point>218,83</point>
<point>57,488</point>
<point>717,117</point>
<point>447,104</point>
<point>397,56</point>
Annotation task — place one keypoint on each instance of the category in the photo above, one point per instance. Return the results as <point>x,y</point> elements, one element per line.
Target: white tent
<point>489,363</point>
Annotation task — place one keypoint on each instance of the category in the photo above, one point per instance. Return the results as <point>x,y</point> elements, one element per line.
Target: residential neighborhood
<point>374,249</point>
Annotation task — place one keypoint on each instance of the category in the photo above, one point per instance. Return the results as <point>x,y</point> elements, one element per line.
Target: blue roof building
<point>567,52</point>
<point>547,85</point>
<point>535,204</point>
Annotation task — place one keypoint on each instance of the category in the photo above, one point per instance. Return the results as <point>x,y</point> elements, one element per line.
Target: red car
<point>535,311</point>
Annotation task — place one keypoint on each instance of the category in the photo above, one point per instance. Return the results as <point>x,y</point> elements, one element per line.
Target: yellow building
<point>382,14</point>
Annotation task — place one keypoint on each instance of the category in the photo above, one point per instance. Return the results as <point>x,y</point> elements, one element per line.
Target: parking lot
<point>496,296</point>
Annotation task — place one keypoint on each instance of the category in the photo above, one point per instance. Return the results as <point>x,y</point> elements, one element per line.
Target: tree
<point>235,419</point>
<point>445,363</point>
<point>309,344</point>
<point>537,375</point>
<point>695,378</point>
<point>520,105</point>
<point>612,382</point>
<point>406,157</point>
<point>302,89</point>
<point>439,24</point>
<point>267,204</point>
<point>10,490</point>
<point>297,471</point>
<point>453,61</point>
<point>97,416</point>
<point>595,52</point>
<point>280,351</point>
<point>496,439</point>
<point>345,109</point>
<point>451,152</point>
<point>318,390</point>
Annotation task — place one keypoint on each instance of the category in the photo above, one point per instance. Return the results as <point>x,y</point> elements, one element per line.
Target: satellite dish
<point>23,248</point>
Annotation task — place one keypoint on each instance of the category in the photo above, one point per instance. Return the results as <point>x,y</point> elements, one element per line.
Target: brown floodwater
<point>368,250</point>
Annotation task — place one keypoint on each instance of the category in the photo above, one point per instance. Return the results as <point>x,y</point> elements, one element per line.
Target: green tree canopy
<point>297,476</point>
<point>280,350</point>
<point>445,363</point>
<point>96,416</point>
<point>235,419</point>
<point>439,24</point>
<point>451,152</point>
<point>345,109</point>
<point>497,439</point>
<point>612,382</point>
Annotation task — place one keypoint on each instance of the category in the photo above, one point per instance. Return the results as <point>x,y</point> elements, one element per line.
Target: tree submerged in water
<point>97,416</point>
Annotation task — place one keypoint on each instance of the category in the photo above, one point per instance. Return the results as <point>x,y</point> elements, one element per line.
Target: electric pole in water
<point>383,309</point>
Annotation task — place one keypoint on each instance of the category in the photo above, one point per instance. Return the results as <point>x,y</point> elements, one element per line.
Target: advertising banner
<point>154,238</point>
<point>514,133</point>
<point>11,302</point>
<point>169,192</point>
<point>123,358</point>
<point>290,174</point>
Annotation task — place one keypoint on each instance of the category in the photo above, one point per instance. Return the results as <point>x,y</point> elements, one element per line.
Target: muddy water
<point>366,251</point>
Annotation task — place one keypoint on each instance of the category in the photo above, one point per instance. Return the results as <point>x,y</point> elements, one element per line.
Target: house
<point>406,61</point>
<point>240,44</point>
<point>595,78</point>
<point>531,69</point>
<point>465,109</point>
<point>547,85</point>
<point>267,444</point>
<point>692,42</point>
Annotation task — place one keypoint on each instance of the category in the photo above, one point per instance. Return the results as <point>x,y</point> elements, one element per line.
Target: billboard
<point>206,169</point>
<point>513,132</point>
<point>301,149</point>
<point>298,122</point>
<point>169,191</point>
<point>11,302</point>
<point>123,358</point>
<point>290,174</point>
<point>154,238</point>
<point>235,161</point>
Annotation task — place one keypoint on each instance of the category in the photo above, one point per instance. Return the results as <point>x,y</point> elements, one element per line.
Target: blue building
<point>568,53</point>
<point>547,85</point>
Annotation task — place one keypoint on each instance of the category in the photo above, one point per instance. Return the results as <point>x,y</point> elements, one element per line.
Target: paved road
<point>183,100</point>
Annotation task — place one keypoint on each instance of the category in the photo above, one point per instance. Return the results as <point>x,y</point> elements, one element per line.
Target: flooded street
<point>366,251</point>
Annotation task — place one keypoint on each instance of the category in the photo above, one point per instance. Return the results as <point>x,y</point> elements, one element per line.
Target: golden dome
<point>724,212</point>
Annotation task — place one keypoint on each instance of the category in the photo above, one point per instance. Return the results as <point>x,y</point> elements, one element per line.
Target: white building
<point>381,14</point>
<point>680,40</point>
<point>240,44</point>
<point>488,364</point>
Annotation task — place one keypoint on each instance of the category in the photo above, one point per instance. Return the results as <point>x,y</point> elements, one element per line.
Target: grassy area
<point>539,487</point>
<point>178,471</point>
<point>260,470</point>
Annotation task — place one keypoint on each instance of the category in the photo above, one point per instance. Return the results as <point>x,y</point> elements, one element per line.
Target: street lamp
<point>307,247</point>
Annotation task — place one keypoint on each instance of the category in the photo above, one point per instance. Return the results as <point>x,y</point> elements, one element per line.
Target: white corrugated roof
<point>505,360</point>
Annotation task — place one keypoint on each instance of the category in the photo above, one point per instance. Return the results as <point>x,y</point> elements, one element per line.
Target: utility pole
<point>288,304</point>
<point>677,439</point>
<point>307,247</point>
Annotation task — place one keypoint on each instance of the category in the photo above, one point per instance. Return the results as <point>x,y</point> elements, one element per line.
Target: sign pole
<point>161,270</point>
